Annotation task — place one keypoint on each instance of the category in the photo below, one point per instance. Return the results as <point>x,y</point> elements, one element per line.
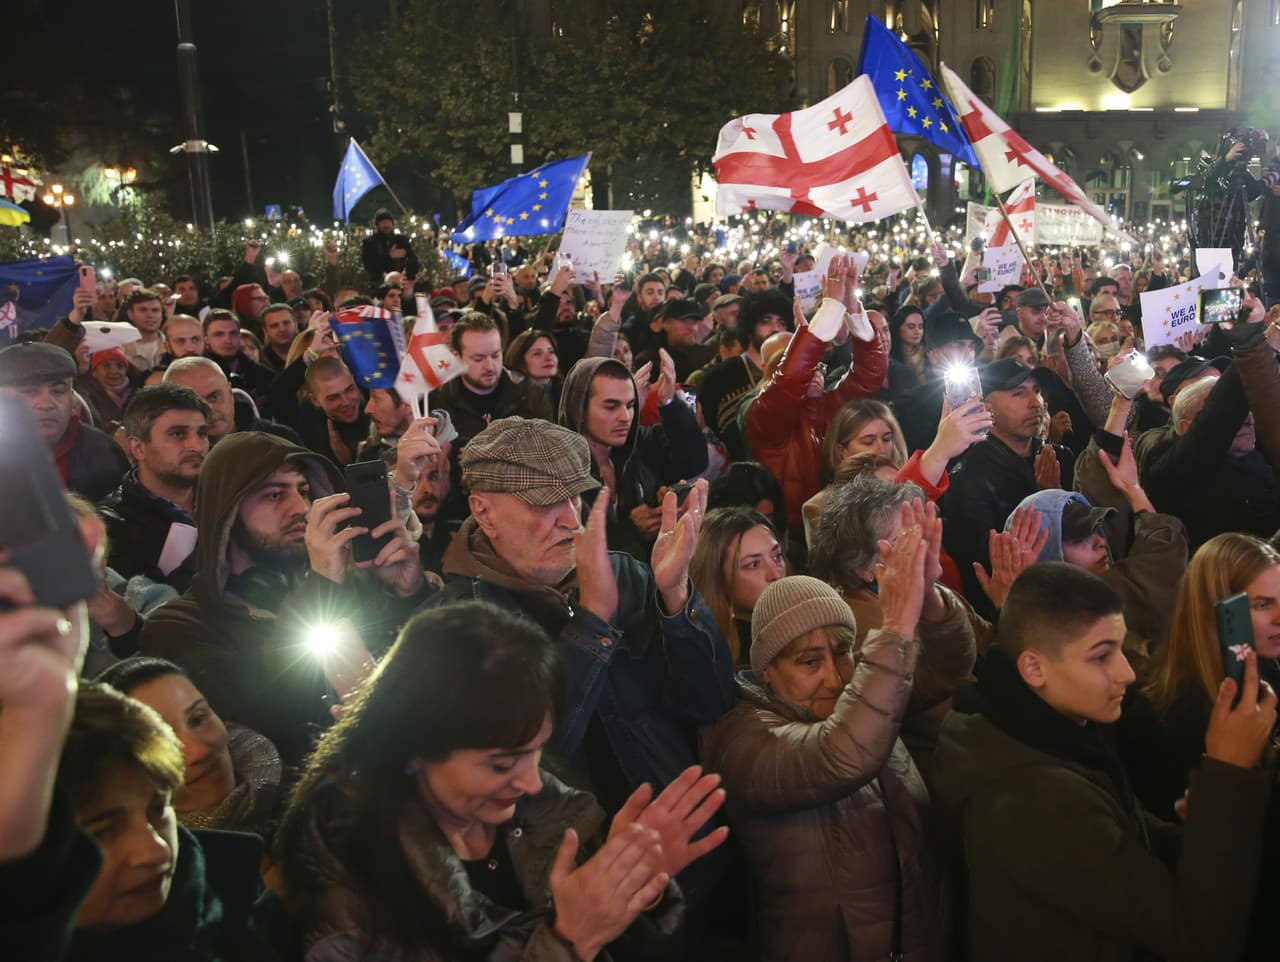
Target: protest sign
<point>1062,225</point>
<point>1005,264</point>
<point>1170,312</point>
<point>596,241</point>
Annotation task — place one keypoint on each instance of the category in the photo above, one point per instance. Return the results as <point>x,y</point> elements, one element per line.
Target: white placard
<point>178,545</point>
<point>596,241</point>
<point>1170,312</point>
<point>1062,225</point>
<point>1207,258</point>
<point>808,287</point>
<point>1005,264</point>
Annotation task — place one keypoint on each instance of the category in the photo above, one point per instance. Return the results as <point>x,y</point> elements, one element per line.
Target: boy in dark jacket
<point>1062,861</point>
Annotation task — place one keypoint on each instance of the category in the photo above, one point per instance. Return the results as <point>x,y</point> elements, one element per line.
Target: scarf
<point>1004,699</point>
<point>62,450</point>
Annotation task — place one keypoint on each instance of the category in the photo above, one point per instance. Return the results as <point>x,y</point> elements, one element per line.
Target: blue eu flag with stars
<point>533,203</point>
<point>356,177</point>
<point>909,96</point>
<point>369,346</point>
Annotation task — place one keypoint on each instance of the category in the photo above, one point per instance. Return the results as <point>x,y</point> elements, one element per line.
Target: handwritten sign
<point>596,241</point>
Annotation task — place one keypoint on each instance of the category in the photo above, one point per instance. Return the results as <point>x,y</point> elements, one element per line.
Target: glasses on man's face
<point>1106,313</point>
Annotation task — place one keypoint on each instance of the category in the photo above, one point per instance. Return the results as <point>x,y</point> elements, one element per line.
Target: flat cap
<point>1032,297</point>
<point>34,364</point>
<point>539,462</point>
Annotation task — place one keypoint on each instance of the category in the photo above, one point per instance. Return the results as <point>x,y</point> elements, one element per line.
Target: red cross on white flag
<point>1021,205</point>
<point>16,186</point>
<point>1007,159</point>
<point>835,159</point>
<point>428,363</point>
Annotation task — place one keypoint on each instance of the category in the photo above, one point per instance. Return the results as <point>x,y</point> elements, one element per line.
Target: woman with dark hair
<point>231,774</point>
<point>752,485</point>
<point>906,342</point>
<point>534,355</point>
<point>425,829</point>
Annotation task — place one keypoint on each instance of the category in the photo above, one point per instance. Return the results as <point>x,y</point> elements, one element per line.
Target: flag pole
<point>1004,212</point>
<point>404,210</point>
<point>420,403</point>
<point>928,228</point>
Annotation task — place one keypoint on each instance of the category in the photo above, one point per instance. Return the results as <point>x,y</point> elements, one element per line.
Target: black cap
<point>1080,521</point>
<point>34,364</point>
<point>683,309</point>
<point>948,328</point>
<point>382,214</point>
<point>1033,297</point>
<point>1006,374</point>
<point>1184,371</point>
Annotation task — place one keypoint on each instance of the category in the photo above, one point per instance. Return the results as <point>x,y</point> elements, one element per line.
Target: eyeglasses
<point>1107,313</point>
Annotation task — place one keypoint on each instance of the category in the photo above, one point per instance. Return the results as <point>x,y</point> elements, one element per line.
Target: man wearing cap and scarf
<point>1030,317</point>
<point>992,477</point>
<point>89,462</point>
<point>384,250</point>
<point>644,659</point>
<point>675,332</point>
<point>1213,464</point>
<point>273,564</point>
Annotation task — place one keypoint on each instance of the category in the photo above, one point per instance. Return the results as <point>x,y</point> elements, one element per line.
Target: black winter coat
<point>137,527</point>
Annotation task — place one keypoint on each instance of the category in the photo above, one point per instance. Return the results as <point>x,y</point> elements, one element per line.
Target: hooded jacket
<point>245,650</point>
<point>661,454</point>
<point>1062,862</point>
<point>1146,577</point>
<point>831,813</point>
<point>785,427</point>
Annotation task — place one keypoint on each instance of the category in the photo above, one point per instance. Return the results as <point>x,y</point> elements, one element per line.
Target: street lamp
<point>62,199</point>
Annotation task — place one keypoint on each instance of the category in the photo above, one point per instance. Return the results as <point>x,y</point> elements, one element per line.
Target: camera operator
<point>1227,188</point>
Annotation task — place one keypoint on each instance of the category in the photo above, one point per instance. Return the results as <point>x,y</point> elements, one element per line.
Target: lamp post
<point>64,200</point>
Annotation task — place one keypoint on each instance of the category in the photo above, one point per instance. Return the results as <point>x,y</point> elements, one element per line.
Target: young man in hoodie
<point>273,563</point>
<point>635,463</point>
<point>1062,862</point>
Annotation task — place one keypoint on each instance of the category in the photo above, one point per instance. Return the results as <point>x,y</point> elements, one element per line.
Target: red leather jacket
<point>785,428</point>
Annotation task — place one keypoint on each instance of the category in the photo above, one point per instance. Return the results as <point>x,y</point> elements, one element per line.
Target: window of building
<point>839,75</point>
<point>985,14</point>
<point>840,16</point>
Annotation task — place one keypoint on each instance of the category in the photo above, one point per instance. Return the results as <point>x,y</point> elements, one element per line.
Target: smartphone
<point>982,274</point>
<point>89,281</point>
<point>791,247</point>
<point>963,385</point>
<point>367,485</point>
<point>37,527</point>
<point>1218,304</point>
<point>1127,377</point>
<point>1235,634</point>
<point>499,268</point>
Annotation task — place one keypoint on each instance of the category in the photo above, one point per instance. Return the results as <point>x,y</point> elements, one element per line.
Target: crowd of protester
<point>703,626</point>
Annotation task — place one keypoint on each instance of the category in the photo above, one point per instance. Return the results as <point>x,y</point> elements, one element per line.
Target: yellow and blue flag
<point>911,99</point>
<point>356,177</point>
<point>533,203</point>
<point>372,343</point>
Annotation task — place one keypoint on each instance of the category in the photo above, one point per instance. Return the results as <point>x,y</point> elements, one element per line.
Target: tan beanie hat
<point>789,608</point>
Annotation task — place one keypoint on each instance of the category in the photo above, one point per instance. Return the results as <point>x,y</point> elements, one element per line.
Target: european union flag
<point>370,346</point>
<point>35,293</point>
<point>911,99</point>
<point>356,177</point>
<point>533,203</point>
<point>460,265</point>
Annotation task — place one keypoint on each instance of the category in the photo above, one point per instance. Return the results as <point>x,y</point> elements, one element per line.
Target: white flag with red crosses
<point>1021,205</point>
<point>1007,159</point>
<point>835,159</point>
<point>428,362</point>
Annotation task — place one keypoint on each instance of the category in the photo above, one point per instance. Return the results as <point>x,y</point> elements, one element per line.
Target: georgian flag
<point>427,363</point>
<point>835,159</point>
<point>1007,159</point>
<point>1021,206</point>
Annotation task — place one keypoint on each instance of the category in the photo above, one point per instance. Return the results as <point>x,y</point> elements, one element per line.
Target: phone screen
<point>1218,304</point>
<point>1235,634</point>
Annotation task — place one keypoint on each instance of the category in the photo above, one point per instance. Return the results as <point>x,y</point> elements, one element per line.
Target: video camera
<point>1254,140</point>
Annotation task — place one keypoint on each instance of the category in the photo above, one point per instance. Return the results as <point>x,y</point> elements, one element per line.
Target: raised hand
<point>833,284</point>
<point>417,448</point>
<point>673,550</point>
<point>397,565</point>
<point>667,377</point>
<point>643,374</point>
<point>900,579</point>
<point>598,900</point>
<point>677,815</point>
<point>328,547</point>
<point>1239,735</point>
<point>597,586</point>
<point>1048,471</point>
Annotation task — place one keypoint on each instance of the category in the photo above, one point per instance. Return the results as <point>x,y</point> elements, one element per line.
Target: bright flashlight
<point>322,640</point>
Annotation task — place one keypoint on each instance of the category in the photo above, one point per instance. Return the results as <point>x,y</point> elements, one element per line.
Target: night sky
<point>108,72</point>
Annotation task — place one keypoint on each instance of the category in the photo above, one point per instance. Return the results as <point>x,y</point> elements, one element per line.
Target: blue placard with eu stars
<point>356,177</point>
<point>911,99</point>
<point>368,346</point>
<point>533,203</point>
